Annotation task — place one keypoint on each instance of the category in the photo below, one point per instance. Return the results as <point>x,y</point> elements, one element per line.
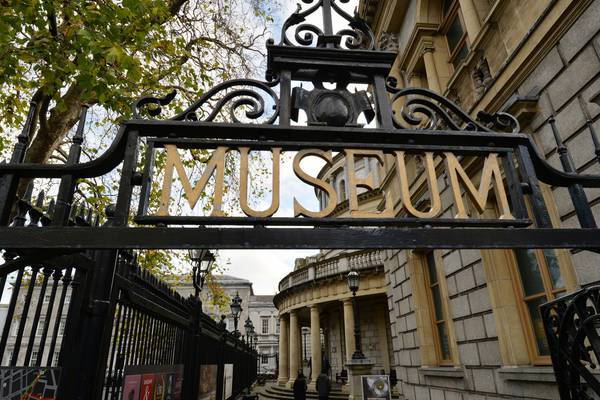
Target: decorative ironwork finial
<point>357,34</point>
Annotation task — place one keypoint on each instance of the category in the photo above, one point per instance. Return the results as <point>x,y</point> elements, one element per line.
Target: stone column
<point>469,13</point>
<point>349,329</point>
<point>433,80</point>
<point>293,348</point>
<point>283,368</point>
<point>315,345</point>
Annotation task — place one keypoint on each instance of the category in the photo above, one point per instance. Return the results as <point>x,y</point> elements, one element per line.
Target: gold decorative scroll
<point>216,162</point>
<point>326,156</point>
<point>434,191</point>
<point>478,197</point>
<point>367,183</point>
<point>244,152</point>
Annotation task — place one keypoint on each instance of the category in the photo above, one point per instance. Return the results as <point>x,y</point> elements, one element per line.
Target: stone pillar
<point>357,368</point>
<point>472,23</point>
<point>315,345</point>
<point>283,368</point>
<point>433,80</point>
<point>293,348</point>
<point>349,329</point>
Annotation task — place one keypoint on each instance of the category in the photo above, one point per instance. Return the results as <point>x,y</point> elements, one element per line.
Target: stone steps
<point>276,392</point>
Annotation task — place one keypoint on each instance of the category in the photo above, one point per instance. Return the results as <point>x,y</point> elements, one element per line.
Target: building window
<point>342,190</point>
<point>539,281</point>
<point>61,327</point>
<point>438,313</point>
<point>265,325</point>
<point>40,327</point>
<point>55,358</point>
<point>453,28</point>
<point>34,357</point>
<point>264,359</point>
<point>277,326</point>
<point>47,298</point>
<point>10,355</point>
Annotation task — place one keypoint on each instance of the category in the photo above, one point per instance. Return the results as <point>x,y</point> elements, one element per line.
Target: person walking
<point>323,385</point>
<point>300,387</point>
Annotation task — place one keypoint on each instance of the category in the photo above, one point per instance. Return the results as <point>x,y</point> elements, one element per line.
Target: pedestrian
<point>323,385</point>
<point>300,387</point>
<point>326,366</point>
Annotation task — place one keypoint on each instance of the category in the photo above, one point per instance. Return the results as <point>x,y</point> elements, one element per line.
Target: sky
<point>265,268</point>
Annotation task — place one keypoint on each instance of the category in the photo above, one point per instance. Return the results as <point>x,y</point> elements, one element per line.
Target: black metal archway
<point>426,123</point>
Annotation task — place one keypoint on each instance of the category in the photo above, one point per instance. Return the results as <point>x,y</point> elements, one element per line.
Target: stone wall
<point>564,81</point>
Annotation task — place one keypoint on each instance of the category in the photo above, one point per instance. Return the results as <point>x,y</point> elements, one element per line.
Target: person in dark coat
<point>323,385</point>
<point>300,387</point>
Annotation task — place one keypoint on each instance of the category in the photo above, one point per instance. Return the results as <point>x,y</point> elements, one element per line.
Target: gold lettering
<point>434,191</point>
<point>244,151</point>
<point>310,180</point>
<point>367,183</point>
<point>478,197</point>
<point>217,161</point>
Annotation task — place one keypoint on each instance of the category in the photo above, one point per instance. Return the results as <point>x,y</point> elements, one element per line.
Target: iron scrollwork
<point>225,100</point>
<point>425,109</point>
<point>358,34</point>
<point>572,323</point>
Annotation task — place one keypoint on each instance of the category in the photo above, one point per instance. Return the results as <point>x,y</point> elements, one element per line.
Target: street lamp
<point>236,309</point>
<point>353,284</point>
<point>249,327</point>
<point>203,260</point>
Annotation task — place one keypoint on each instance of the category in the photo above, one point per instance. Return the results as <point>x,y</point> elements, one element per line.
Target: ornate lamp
<point>248,329</point>
<point>203,260</point>
<point>353,285</point>
<point>255,336</point>
<point>236,309</point>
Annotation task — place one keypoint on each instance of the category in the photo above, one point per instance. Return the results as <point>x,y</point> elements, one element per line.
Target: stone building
<point>315,296</point>
<point>466,324</point>
<point>463,324</point>
<point>259,308</point>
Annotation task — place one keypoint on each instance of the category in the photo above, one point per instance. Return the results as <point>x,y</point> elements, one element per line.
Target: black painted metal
<point>120,315</point>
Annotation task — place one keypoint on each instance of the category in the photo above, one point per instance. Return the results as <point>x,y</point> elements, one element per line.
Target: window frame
<point>549,293</point>
<point>262,325</point>
<point>426,257</point>
<point>447,20</point>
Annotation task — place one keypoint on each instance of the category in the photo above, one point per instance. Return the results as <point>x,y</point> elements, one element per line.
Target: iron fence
<point>91,314</point>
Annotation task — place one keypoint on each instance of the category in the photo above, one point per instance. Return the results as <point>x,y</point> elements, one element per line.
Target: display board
<point>18,383</point>
<point>376,387</point>
<point>152,382</point>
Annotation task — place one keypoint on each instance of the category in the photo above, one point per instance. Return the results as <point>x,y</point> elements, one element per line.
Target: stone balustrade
<point>343,263</point>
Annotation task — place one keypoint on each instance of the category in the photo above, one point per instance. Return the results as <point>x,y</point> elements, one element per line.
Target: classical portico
<point>316,296</point>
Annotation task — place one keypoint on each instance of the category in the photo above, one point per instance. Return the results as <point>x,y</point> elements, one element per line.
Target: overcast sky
<point>265,268</point>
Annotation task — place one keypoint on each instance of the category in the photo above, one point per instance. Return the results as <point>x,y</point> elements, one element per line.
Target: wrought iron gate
<point>68,252</point>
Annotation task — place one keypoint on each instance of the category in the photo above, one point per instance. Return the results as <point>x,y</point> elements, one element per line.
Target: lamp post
<point>249,327</point>
<point>236,309</point>
<point>203,260</point>
<point>353,284</point>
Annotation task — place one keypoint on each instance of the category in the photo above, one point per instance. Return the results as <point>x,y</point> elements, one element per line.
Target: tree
<point>64,53</point>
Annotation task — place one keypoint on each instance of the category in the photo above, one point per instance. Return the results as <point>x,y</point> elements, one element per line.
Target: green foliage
<point>65,53</point>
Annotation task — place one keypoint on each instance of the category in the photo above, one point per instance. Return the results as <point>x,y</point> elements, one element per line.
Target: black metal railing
<point>572,325</point>
<point>91,314</point>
